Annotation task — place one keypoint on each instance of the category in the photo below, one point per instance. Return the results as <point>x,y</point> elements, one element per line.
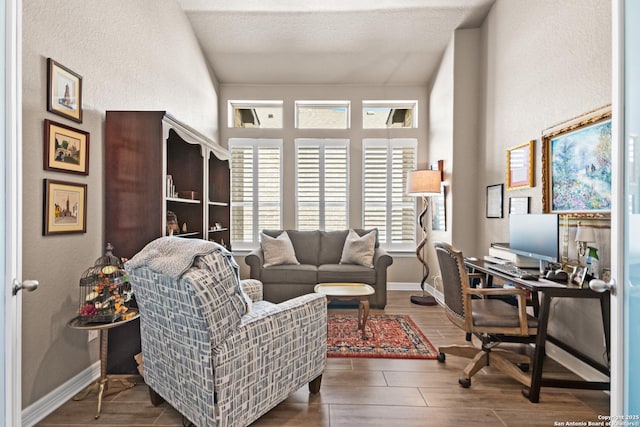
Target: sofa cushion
<point>305,244</point>
<point>277,250</point>
<point>331,245</point>
<point>359,249</point>
<point>303,273</point>
<point>329,273</point>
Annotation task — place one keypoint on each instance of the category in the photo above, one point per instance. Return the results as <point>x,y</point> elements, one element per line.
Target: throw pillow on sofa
<point>277,250</point>
<point>359,250</point>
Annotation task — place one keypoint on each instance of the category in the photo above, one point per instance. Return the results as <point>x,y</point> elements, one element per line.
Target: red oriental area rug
<point>390,336</point>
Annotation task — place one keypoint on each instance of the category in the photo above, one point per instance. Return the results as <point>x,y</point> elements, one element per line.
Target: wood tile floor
<point>380,392</point>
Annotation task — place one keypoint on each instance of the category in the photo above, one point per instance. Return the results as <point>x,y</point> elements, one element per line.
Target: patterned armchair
<point>212,348</point>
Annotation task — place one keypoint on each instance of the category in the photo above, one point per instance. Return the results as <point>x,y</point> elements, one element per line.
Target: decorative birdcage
<point>104,290</point>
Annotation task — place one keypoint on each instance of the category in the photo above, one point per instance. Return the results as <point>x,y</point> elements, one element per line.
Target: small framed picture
<point>65,207</point>
<point>520,166</point>
<point>64,91</point>
<point>579,275</point>
<point>494,201</point>
<point>65,149</point>
<point>518,205</point>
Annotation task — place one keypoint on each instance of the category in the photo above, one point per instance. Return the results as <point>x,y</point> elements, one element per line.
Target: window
<point>323,114</point>
<point>386,206</point>
<point>256,189</point>
<point>255,114</point>
<point>389,114</point>
<point>322,184</point>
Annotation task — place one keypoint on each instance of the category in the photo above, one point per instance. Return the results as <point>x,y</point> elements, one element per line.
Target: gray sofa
<point>319,254</point>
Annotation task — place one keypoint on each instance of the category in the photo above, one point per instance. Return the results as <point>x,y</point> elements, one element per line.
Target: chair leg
<point>479,361</point>
<point>512,357</point>
<point>467,351</point>
<point>314,385</point>
<point>156,399</point>
<point>501,363</point>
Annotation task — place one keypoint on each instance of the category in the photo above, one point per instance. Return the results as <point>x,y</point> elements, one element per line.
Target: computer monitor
<point>535,236</point>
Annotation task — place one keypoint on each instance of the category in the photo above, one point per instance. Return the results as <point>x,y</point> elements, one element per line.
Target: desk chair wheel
<point>464,382</point>
<point>441,357</point>
<point>524,367</point>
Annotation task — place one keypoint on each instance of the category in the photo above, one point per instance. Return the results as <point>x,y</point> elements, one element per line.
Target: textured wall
<point>544,62</point>
<point>131,55</point>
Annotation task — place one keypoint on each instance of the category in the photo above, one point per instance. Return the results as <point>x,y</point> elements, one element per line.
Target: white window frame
<point>257,143</point>
<point>323,105</point>
<point>232,104</point>
<point>389,144</point>
<point>407,104</point>
<point>322,143</point>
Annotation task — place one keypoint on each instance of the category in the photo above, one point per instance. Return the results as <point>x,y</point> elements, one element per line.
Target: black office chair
<point>487,318</point>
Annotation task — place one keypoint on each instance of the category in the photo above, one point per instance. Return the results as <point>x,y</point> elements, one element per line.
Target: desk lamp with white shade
<point>423,183</point>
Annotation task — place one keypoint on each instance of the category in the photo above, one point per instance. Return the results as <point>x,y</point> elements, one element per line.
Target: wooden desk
<point>542,292</point>
<point>102,384</point>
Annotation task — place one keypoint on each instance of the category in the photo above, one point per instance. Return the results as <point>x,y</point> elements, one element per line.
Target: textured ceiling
<point>334,42</point>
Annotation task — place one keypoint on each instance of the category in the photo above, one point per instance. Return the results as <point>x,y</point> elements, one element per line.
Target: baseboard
<point>573,364</point>
<point>44,406</point>
<point>403,286</point>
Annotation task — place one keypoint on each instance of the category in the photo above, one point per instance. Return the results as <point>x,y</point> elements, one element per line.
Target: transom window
<point>323,114</point>
<point>389,114</point>
<point>255,114</point>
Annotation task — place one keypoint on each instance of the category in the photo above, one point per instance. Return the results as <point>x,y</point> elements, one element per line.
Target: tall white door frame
<point>11,229</point>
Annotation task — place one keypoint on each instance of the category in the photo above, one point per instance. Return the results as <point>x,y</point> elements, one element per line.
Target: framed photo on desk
<point>579,275</point>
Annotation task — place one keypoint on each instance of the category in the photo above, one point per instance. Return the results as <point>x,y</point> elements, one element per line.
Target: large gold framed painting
<point>576,166</point>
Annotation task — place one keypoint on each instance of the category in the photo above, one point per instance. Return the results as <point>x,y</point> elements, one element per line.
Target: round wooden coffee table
<point>348,292</point>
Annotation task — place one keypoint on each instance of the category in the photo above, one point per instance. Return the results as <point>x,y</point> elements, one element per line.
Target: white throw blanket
<point>171,256</point>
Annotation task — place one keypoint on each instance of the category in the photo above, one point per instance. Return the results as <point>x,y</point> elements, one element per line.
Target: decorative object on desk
<point>65,149</point>
<point>423,183</point>
<point>576,166</point>
<point>184,228</point>
<point>584,236</point>
<point>518,205</point>
<point>494,201</point>
<point>391,336</point>
<point>65,207</point>
<point>104,290</point>
<point>520,166</point>
<point>172,223</point>
<point>439,210</point>
<point>579,277</point>
<point>592,262</point>
<point>64,91</point>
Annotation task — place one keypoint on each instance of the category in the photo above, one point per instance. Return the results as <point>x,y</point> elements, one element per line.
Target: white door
<point>10,217</point>
<point>625,215</point>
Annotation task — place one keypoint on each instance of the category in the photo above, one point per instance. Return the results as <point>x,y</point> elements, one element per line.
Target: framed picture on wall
<point>65,207</point>
<point>494,201</point>
<point>520,166</point>
<point>576,166</point>
<point>518,205</point>
<point>439,210</point>
<point>64,91</point>
<point>65,149</point>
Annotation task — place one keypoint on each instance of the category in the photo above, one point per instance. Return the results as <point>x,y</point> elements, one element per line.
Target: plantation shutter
<point>386,206</point>
<point>321,184</point>
<point>256,188</point>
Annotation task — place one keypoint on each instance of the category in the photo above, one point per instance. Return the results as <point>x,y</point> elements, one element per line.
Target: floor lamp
<point>423,183</point>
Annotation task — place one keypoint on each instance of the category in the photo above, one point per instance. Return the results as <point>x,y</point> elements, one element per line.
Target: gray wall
<point>131,55</point>
<point>541,63</point>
